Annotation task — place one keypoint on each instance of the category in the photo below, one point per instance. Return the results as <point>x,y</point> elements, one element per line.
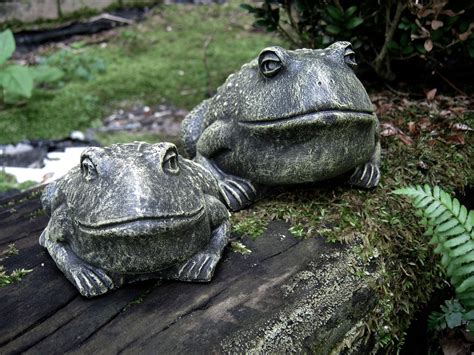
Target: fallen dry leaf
<point>456,139</point>
<point>430,95</point>
<point>424,123</point>
<point>388,129</point>
<point>412,128</point>
<point>458,109</point>
<point>462,127</point>
<point>435,24</point>
<point>405,139</point>
<point>428,45</point>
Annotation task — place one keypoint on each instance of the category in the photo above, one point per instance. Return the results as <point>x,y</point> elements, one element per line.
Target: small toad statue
<point>132,212</point>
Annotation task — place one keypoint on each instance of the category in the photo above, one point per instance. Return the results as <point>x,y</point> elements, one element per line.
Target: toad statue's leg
<point>201,266</point>
<point>89,280</point>
<point>368,175</point>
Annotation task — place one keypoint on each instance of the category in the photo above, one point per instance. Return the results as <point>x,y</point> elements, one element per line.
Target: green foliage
<point>382,32</point>
<point>17,81</point>
<point>252,227</point>
<point>452,315</point>
<point>170,70</point>
<point>239,247</point>
<point>8,182</point>
<point>76,64</point>
<point>15,276</point>
<point>450,226</point>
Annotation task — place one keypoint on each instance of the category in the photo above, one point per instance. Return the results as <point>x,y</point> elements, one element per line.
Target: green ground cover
<point>160,60</point>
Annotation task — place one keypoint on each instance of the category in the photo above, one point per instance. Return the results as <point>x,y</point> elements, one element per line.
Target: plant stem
<point>390,28</point>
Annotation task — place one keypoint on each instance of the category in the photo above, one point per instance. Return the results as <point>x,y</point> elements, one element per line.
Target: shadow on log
<point>287,295</point>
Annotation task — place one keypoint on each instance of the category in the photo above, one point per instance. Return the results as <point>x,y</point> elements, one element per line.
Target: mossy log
<point>286,295</point>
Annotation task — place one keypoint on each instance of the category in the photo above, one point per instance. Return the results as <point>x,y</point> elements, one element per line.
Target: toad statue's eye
<point>88,169</point>
<point>170,161</point>
<point>269,63</point>
<point>349,57</point>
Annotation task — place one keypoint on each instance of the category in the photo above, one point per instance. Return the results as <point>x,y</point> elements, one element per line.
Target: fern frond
<point>450,226</point>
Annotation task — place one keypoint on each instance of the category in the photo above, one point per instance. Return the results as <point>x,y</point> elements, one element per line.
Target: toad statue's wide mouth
<point>320,118</point>
<point>142,224</point>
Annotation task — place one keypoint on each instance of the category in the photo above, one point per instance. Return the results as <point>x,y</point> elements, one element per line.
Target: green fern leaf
<point>466,284</point>
<point>445,259</point>
<point>431,209</point>
<point>464,270</point>
<point>466,295</point>
<point>443,218</point>
<point>424,202</point>
<point>448,225</point>
<point>408,191</point>
<point>452,232</point>
<point>470,221</point>
<point>454,242</point>
<point>437,212</point>
<point>446,199</point>
<point>463,249</point>
<point>462,215</point>
<point>427,189</point>
<point>456,207</point>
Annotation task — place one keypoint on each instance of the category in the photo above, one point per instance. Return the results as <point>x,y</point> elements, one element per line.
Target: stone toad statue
<point>132,212</point>
<point>287,117</point>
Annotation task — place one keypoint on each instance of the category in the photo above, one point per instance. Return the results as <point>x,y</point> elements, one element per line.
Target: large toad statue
<point>131,212</point>
<point>287,117</point>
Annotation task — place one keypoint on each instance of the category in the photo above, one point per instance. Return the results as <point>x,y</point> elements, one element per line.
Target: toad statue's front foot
<point>89,280</point>
<point>199,268</point>
<point>202,265</point>
<point>237,192</point>
<point>365,176</point>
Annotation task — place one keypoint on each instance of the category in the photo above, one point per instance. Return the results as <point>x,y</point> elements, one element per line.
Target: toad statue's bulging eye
<point>269,63</point>
<point>170,162</point>
<point>88,169</point>
<point>349,57</point>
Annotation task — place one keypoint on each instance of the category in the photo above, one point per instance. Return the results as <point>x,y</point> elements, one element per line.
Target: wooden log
<point>286,295</point>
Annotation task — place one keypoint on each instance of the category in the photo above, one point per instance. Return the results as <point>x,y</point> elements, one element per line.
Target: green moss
<point>15,276</point>
<point>169,69</point>
<point>8,182</point>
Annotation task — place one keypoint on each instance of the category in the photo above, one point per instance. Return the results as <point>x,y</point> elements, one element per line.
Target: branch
<point>391,27</point>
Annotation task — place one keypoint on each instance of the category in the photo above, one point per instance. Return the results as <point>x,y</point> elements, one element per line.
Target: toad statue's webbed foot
<point>365,176</point>
<point>199,268</point>
<point>237,192</point>
<point>89,280</point>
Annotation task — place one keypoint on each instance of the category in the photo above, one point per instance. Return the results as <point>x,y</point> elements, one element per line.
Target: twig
<point>390,31</point>
<point>207,42</point>
<point>287,35</point>
<point>450,83</point>
<point>400,93</point>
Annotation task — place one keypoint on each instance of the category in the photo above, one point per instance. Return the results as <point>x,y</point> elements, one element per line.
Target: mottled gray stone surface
<point>287,117</point>
<point>131,212</point>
